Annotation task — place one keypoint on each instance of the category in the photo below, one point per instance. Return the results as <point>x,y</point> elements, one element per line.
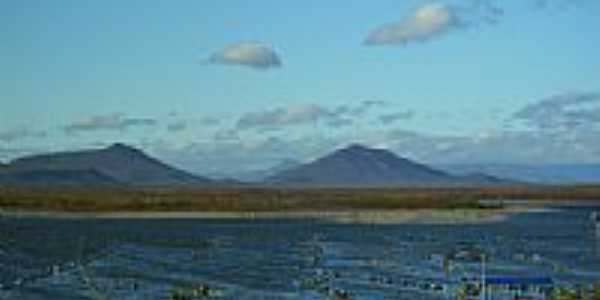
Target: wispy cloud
<point>556,4</point>
<point>226,135</point>
<point>114,122</point>
<point>482,12</point>
<point>250,54</point>
<point>177,126</point>
<point>283,116</point>
<point>12,135</point>
<point>293,115</point>
<point>209,121</point>
<point>391,118</point>
<point>176,123</point>
<point>357,110</point>
<point>340,122</point>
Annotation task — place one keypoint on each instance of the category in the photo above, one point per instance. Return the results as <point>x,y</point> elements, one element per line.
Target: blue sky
<point>216,86</point>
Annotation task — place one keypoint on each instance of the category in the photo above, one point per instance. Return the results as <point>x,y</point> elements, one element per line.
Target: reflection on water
<point>45,258</point>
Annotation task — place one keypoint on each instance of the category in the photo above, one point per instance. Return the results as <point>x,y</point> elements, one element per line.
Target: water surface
<point>43,257</point>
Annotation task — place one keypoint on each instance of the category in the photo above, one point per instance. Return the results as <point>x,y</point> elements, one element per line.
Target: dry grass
<point>270,199</point>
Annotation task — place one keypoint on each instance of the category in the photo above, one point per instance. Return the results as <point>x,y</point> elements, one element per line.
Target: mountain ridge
<point>119,162</point>
<point>360,166</point>
<point>352,166</point>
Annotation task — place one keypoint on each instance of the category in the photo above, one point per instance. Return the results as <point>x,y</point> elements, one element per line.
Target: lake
<point>44,257</point>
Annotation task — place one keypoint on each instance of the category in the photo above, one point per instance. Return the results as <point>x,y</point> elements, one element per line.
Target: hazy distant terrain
<point>549,174</point>
<point>257,175</point>
<point>352,166</point>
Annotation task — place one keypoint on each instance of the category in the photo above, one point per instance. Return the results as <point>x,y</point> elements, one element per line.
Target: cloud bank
<point>250,54</point>
<point>563,128</point>
<point>294,115</point>
<point>283,116</point>
<point>567,111</point>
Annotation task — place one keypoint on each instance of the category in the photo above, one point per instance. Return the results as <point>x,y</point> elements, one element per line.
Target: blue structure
<point>517,287</point>
<point>513,280</point>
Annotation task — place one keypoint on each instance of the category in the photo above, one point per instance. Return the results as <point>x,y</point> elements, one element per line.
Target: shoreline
<point>352,216</point>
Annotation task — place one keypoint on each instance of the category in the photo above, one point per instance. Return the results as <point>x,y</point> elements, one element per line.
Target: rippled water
<point>49,258</point>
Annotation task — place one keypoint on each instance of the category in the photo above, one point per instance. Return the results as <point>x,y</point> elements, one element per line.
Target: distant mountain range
<point>257,175</point>
<point>545,174</point>
<point>117,164</point>
<point>352,166</point>
<point>360,166</point>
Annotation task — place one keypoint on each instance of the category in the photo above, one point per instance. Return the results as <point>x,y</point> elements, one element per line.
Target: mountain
<point>118,163</point>
<point>359,166</point>
<point>546,174</point>
<point>56,177</point>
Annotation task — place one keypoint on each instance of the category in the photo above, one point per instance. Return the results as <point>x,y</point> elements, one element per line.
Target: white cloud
<point>428,21</point>
<point>251,54</point>
<point>434,20</point>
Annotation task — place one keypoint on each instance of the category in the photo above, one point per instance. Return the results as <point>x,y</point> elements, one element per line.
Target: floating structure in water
<point>507,287</point>
<point>499,287</point>
<point>503,287</point>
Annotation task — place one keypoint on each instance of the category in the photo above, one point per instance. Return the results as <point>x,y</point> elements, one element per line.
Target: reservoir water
<point>281,258</point>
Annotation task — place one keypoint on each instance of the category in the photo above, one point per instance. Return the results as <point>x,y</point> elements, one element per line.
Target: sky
<point>218,87</point>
